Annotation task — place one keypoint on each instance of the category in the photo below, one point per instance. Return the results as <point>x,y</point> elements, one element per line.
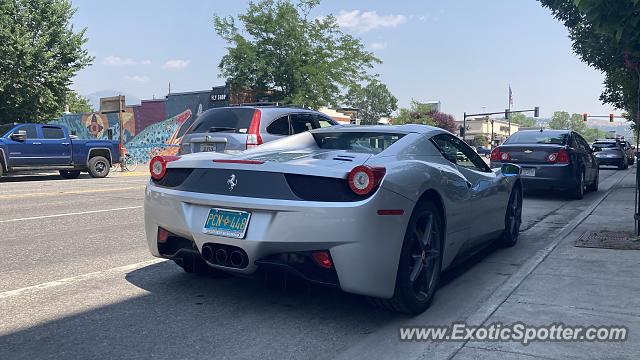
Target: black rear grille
<point>259,184</point>
<point>173,177</point>
<point>317,188</point>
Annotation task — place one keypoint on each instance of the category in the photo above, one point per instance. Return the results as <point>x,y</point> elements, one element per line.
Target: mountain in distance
<point>94,97</point>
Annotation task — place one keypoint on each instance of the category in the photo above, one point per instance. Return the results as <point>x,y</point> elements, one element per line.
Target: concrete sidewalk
<point>577,286</point>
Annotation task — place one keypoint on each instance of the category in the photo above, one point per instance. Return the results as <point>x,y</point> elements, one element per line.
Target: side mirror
<point>510,169</point>
<point>19,135</point>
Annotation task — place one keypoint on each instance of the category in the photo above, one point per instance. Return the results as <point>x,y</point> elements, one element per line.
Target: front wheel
<point>98,167</point>
<point>420,262</point>
<point>512,219</point>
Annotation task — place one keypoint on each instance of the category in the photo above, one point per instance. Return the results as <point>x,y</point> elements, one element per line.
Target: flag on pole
<point>510,96</point>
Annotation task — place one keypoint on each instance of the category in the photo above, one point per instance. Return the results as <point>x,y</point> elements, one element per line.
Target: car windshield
<point>538,137</point>
<point>364,142</point>
<point>235,120</point>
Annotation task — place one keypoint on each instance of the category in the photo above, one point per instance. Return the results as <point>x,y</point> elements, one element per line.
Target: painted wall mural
<point>160,138</point>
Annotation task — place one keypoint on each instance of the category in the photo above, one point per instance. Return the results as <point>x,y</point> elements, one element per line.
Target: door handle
<point>65,143</point>
<point>469,185</point>
<point>37,143</point>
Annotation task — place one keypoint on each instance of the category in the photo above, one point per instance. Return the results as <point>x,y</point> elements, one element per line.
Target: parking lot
<point>77,281</point>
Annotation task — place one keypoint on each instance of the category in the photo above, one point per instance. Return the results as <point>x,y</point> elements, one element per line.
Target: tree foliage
<point>39,54</point>
<point>373,101</point>
<point>522,120</point>
<point>424,114</point>
<point>77,104</point>
<point>275,45</point>
<point>606,35</point>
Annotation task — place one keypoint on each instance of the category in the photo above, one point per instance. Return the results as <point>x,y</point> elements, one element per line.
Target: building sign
<point>219,93</point>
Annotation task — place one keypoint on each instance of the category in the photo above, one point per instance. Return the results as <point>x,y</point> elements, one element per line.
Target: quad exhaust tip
<point>236,258</point>
<point>221,256</point>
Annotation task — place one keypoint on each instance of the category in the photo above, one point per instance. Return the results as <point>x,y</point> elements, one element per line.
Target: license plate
<point>529,172</point>
<point>228,223</point>
<point>208,147</point>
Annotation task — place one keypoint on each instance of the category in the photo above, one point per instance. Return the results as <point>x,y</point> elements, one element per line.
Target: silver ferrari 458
<point>379,211</point>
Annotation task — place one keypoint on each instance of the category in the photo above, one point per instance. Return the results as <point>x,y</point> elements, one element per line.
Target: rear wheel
<point>98,167</point>
<point>512,219</point>
<point>70,174</point>
<point>594,186</point>
<point>578,191</point>
<point>420,262</point>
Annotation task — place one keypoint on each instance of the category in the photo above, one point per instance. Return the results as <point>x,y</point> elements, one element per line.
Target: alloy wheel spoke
<point>428,232</point>
<point>416,271</point>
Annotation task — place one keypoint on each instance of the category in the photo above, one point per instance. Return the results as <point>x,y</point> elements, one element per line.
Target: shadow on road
<point>37,177</point>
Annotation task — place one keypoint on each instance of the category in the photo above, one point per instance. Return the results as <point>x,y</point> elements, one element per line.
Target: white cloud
<point>176,64</point>
<point>146,62</point>
<point>138,78</point>
<point>378,45</point>
<point>118,61</point>
<point>424,17</point>
<point>363,21</point>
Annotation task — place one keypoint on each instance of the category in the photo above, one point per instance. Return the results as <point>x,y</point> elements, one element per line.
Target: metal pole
<point>464,127</point>
<point>491,133</point>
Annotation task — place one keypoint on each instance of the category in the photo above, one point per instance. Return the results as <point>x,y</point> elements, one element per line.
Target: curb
<point>491,305</point>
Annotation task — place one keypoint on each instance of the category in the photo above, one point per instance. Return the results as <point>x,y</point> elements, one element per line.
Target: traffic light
<point>610,117</point>
<point>584,117</point>
<point>506,113</point>
<point>536,111</point>
<point>462,131</point>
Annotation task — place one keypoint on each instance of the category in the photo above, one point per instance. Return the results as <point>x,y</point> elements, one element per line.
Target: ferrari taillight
<point>158,166</point>
<point>364,179</point>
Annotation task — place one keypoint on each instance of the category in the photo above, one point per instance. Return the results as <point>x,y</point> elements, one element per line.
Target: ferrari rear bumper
<point>364,246</point>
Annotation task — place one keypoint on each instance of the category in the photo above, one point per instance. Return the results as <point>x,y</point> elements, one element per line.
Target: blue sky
<point>464,53</point>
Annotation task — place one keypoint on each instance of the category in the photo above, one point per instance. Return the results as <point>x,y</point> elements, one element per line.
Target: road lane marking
<point>15,196</point>
<point>69,214</point>
<point>78,278</point>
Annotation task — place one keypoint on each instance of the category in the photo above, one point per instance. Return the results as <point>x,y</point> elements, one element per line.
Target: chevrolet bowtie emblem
<point>528,151</point>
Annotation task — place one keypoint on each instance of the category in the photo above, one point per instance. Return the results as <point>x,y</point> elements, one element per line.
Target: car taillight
<point>253,135</point>
<point>497,155</point>
<point>322,258</point>
<point>560,157</point>
<point>158,166</point>
<point>364,179</point>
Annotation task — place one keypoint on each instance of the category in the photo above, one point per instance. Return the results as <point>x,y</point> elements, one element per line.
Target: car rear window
<point>224,120</point>
<point>604,145</point>
<point>537,137</point>
<point>364,142</point>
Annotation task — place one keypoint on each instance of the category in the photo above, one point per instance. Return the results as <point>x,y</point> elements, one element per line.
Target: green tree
<point>560,120</point>
<point>425,114</point>
<point>606,35</point>
<point>373,101</point>
<point>577,123</point>
<point>276,45</point>
<point>77,104</point>
<point>39,54</point>
<point>522,120</point>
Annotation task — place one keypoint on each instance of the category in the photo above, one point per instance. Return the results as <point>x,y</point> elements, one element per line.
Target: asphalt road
<point>77,281</point>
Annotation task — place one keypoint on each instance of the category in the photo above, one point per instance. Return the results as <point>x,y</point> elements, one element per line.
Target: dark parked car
<point>551,159</point>
<point>629,150</point>
<point>610,152</point>
<point>484,151</point>
<point>238,128</point>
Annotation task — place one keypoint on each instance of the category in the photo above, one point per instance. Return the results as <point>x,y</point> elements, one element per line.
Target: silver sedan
<point>374,210</point>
